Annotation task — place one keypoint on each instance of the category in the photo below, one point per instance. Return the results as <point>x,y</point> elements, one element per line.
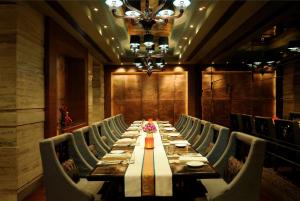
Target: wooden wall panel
<point>226,92</point>
<point>291,87</point>
<point>160,96</point>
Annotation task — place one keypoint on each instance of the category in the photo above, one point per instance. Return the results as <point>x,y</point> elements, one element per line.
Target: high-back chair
<point>101,139</point>
<point>241,166</point>
<point>83,141</point>
<point>194,131</point>
<point>105,130</point>
<point>214,143</point>
<point>264,127</point>
<point>199,138</point>
<point>187,127</point>
<point>182,124</point>
<point>58,184</point>
<point>118,120</point>
<point>288,134</point>
<point>179,121</point>
<point>247,124</point>
<point>114,128</point>
<point>235,122</point>
<point>122,121</point>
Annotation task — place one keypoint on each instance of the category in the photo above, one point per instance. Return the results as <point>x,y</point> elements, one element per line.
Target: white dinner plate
<point>180,145</point>
<point>195,163</point>
<point>117,151</point>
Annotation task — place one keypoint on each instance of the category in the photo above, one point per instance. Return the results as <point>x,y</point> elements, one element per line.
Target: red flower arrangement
<point>65,119</point>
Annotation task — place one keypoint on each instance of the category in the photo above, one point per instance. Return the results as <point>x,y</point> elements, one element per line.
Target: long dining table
<point>171,153</point>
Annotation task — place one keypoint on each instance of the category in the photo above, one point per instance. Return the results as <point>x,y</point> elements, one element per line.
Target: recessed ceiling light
<point>202,8</point>
<point>105,26</point>
<point>185,38</point>
<point>122,53</point>
<point>191,26</point>
<point>113,38</point>
<point>180,46</point>
<point>118,47</point>
<point>95,9</point>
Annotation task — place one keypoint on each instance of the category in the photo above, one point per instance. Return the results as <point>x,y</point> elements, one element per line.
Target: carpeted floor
<point>275,187</point>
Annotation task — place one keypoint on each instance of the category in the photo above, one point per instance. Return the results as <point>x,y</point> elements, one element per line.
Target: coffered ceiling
<point>209,30</point>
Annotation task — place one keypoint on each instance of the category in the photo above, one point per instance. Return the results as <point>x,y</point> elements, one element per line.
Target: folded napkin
<point>133,128</point>
<point>179,142</point>
<point>166,125</point>
<point>124,142</point>
<point>117,156</point>
<point>137,122</point>
<point>130,134</point>
<point>173,134</point>
<point>163,122</point>
<point>193,158</point>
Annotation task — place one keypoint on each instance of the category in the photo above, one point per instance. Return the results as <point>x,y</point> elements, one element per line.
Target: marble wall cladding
<point>22,97</point>
<point>90,89</point>
<point>7,56</point>
<point>28,159</point>
<point>98,92</point>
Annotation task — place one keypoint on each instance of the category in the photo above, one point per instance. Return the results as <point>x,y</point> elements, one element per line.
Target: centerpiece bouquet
<point>149,128</point>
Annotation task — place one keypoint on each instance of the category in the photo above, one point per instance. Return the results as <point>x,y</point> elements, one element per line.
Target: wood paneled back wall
<point>225,92</point>
<point>161,96</point>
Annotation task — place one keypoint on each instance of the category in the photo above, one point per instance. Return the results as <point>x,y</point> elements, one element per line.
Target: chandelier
<point>148,17</point>
<point>150,59</point>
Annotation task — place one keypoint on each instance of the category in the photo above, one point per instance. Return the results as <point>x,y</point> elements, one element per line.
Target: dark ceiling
<point>225,31</point>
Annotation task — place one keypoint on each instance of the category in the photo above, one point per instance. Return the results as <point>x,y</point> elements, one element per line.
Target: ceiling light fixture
<point>149,60</point>
<point>149,16</point>
<point>95,9</point>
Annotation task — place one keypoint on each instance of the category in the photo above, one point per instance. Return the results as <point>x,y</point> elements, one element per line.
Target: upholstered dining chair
<point>119,123</point>
<point>58,184</point>
<point>264,127</point>
<point>82,138</point>
<point>200,137</point>
<point>214,143</point>
<point>105,130</point>
<point>114,128</point>
<point>241,166</point>
<point>101,139</point>
<point>180,126</point>
<point>122,121</point>
<point>235,122</point>
<point>191,135</point>
<point>187,127</point>
<point>179,121</point>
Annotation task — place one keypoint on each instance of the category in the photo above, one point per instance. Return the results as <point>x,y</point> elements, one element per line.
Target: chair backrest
<point>287,131</point>
<point>58,184</point>
<point>247,123</point>
<point>82,139</point>
<point>199,138</point>
<point>264,127</point>
<point>101,138</point>
<point>217,138</point>
<point>235,122</point>
<point>294,116</point>
<point>195,130</point>
<point>246,152</point>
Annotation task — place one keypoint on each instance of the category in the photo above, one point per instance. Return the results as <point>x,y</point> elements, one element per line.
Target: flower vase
<point>149,141</point>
